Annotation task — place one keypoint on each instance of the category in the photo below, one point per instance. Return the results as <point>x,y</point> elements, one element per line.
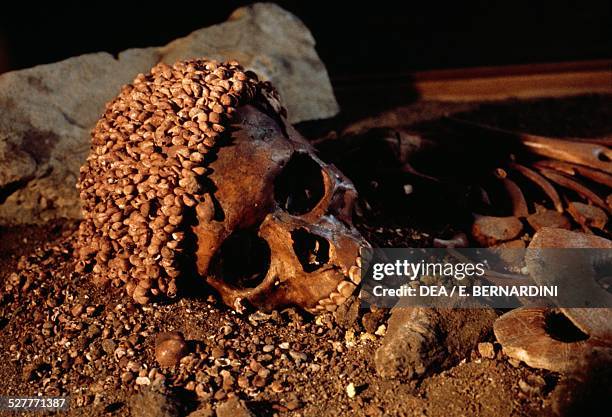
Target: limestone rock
<point>277,46</point>
<point>48,110</point>
<point>47,113</point>
<point>420,340</point>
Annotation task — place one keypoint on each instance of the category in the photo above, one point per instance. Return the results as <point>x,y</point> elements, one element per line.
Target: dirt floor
<point>61,335</point>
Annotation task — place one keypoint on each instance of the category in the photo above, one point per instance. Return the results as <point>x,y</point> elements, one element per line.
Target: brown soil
<point>315,386</point>
<point>61,335</point>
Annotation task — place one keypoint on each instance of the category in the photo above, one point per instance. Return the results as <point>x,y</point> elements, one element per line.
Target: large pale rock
<point>47,113</point>
<point>48,110</point>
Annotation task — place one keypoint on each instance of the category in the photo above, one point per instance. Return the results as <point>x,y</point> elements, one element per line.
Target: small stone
<point>284,345</point>
<point>265,357</point>
<point>227,330</point>
<point>488,230</point>
<point>217,352</point>
<point>533,385</point>
<point>486,350</point>
<point>350,390</point>
<point>349,337</point>
<point>77,310</point>
<point>264,373</point>
<point>293,405</point>
<point>228,380</point>
<point>259,381</point>
<point>347,313</point>
<point>243,381</point>
<point>298,356</point>
<point>367,337</point>
<point>255,366</point>
<point>258,316</point>
<point>143,380</point>
<point>170,347</point>
<point>109,346</point>
<point>127,377</point>
<point>90,310</point>
<point>201,392</point>
<point>233,407</point>
<point>93,331</point>
<point>372,320</point>
<point>220,395</point>
<point>277,387</point>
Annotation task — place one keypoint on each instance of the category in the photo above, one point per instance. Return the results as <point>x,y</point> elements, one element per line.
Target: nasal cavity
<point>311,250</point>
<point>243,260</point>
<point>299,187</point>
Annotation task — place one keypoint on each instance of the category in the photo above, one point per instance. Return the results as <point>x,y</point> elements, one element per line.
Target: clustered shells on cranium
<point>193,164</point>
<point>148,153</point>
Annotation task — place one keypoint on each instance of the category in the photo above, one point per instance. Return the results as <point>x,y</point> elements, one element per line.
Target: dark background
<point>354,40</point>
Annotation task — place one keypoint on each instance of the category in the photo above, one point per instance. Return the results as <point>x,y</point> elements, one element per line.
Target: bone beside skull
<point>201,151</point>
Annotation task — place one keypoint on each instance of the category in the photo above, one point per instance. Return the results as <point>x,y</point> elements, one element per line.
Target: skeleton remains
<point>194,171</point>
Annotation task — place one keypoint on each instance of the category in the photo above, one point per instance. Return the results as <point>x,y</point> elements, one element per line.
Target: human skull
<point>194,163</point>
<point>277,231</point>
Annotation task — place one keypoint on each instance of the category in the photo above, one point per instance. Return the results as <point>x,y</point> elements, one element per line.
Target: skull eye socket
<point>299,187</point>
<point>311,250</point>
<point>242,260</point>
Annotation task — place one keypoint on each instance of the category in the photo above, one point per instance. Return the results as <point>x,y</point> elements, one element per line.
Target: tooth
<point>358,261</point>
<point>355,274</point>
<point>340,300</point>
<point>331,307</point>
<point>325,302</point>
<point>346,288</point>
<point>337,298</point>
